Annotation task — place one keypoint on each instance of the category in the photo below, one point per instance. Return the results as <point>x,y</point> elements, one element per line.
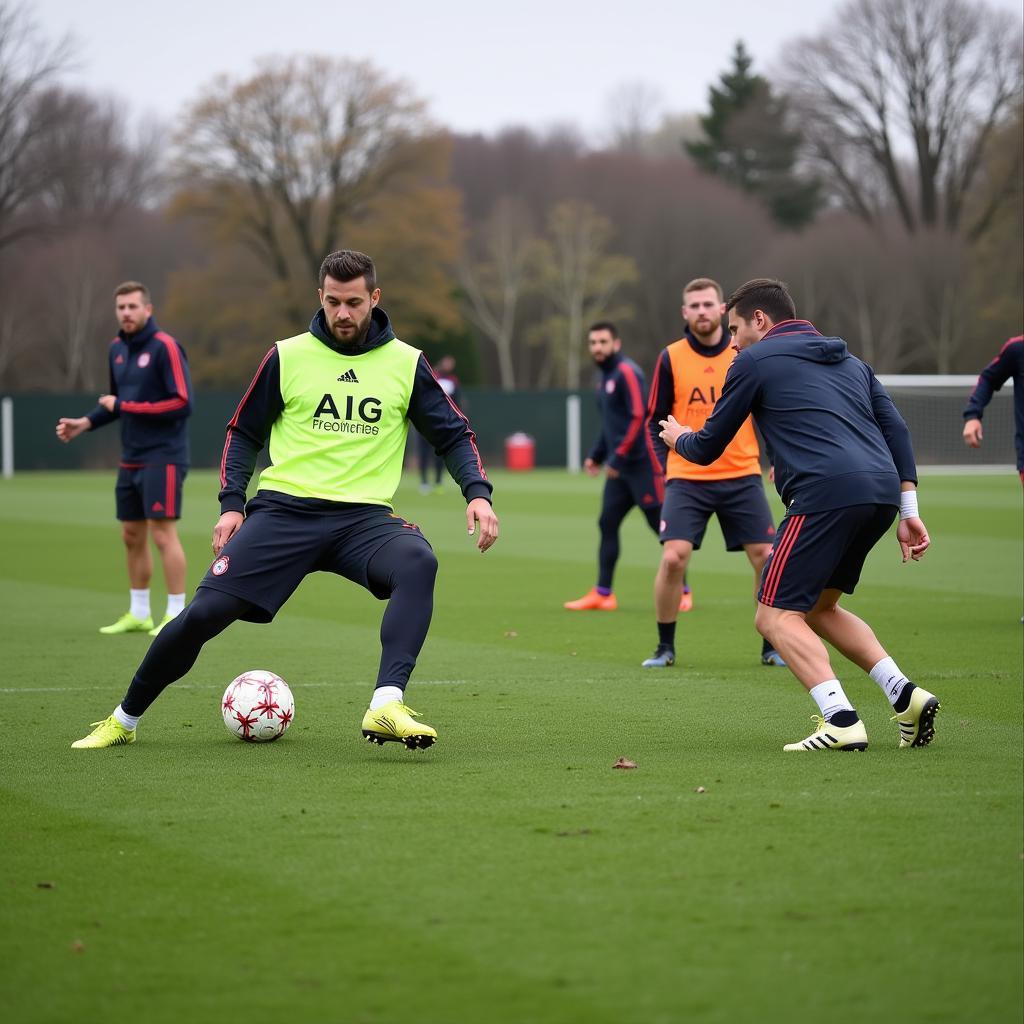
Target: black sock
<point>766,648</point>
<point>844,719</point>
<point>903,702</point>
<point>667,634</point>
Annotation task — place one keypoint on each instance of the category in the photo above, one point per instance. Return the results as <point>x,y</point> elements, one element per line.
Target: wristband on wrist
<point>908,505</point>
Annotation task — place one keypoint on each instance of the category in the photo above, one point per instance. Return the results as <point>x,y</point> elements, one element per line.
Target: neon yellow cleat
<point>833,737</point>
<point>108,733</point>
<point>128,624</point>
<point>917,723</point>
<point>160,625</point>
<point>394,721</point>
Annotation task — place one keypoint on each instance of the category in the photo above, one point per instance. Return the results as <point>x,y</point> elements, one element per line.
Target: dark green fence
<point>495,415</point>
<point>931,406</point>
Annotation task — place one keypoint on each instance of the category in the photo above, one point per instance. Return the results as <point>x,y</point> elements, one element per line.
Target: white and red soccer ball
<point>258,706</point>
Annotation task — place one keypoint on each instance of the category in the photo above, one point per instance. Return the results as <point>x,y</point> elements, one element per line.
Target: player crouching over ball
<point>324,503</point>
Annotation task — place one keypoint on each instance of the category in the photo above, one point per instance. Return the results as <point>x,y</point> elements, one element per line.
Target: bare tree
<point>97,170</point>
<point>579,277</point>
<point>285,159</point>
<point>633,113</point>
<point>493,276</point>
<point>28,63</point>
<point>899,99</point>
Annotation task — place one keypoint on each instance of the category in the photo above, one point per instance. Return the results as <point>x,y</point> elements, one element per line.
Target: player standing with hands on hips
<point>335,404</point>
<point>844,467</point>
<point>151,396</point>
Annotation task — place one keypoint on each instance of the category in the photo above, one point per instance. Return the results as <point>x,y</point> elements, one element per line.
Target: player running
<point>844,467</point>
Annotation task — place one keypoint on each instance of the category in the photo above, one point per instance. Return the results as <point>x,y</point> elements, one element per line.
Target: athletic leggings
<point>405,568</point>
<point>612,513</point>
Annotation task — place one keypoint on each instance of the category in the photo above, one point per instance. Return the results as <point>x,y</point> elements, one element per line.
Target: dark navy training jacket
<point>431,412</point>
<point>834,435</point>
<point>150,379</point>
<point>622,404</point>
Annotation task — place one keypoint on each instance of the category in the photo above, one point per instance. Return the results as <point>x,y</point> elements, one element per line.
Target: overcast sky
<point>480,64</point>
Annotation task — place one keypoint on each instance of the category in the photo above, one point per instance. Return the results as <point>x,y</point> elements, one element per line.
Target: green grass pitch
<point>509,874</point>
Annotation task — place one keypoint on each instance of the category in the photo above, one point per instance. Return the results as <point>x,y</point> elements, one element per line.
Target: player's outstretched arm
<point>479,511</point>
<point>913,538</point>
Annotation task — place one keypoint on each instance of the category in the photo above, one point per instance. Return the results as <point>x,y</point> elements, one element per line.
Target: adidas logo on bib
<point>349,377</point>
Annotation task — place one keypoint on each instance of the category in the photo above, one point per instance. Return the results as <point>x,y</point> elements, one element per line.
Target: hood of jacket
<point>799,338</point>
<point>379,333</point>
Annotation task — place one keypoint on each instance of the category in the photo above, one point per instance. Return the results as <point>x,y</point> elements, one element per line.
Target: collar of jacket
<point>705,350</point>
<point>139,338</point>
<point>379,333</point>
<point>792,327</point>
<point>610,365</point>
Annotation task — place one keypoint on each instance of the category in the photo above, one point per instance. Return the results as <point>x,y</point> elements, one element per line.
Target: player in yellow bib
<point>334,404</point>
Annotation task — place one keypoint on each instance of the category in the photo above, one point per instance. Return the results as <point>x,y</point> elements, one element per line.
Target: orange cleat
<point>593,601</point>
<point>686,601</point>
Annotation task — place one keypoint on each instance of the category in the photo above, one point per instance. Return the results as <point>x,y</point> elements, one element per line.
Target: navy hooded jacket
<point>833,433</point>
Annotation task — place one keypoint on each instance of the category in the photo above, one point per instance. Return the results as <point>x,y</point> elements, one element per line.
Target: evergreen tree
<point>749,143</point>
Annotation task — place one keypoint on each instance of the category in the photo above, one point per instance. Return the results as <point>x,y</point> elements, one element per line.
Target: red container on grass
<point>519,452</point>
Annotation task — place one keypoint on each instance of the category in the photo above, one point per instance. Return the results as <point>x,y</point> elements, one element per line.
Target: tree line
<point>879,175</point>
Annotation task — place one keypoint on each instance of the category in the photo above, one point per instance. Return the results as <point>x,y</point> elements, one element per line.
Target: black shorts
<point>740,504</point>
<point>284,539</point>
<point>149,492</point>
<point>821,551</point>
<point>635,484</point>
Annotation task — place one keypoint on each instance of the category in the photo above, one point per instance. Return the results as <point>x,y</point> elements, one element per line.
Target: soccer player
<point>632,477</point>
<point>1009,363</point>
<point>151,395</point>
<point>844,467</point>
<point>335,403</point>
<point>687,383</point>
<point>428,459</point>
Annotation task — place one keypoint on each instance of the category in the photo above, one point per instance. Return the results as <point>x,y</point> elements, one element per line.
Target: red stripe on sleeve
<point>177,370</point>
<point>234,419</point>
<point>637,404</point>
<point>462,416</point>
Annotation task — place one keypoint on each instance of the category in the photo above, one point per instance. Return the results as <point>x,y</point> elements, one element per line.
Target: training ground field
<point>509,874</point>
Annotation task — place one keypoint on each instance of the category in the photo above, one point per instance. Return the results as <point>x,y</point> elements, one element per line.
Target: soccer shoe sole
<point>411,742</point>
<point>773,660</point>
<point>925,726</point>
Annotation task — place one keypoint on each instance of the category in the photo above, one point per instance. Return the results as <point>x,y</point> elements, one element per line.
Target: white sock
<point>128,721</point>
<point>175,604</point>
<point>384,695</point>
<point>889,677</point>
<point>830,698</point>
<point>140,603</point>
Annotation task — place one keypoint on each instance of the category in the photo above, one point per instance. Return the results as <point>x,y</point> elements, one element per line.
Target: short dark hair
<point>766,294</point>
<point>128,287</point>
<point>347,265</point>
<point>604,325</point>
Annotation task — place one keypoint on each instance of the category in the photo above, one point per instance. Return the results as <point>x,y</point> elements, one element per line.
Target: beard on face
<point>704,327</point>
<point>357,336</point>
